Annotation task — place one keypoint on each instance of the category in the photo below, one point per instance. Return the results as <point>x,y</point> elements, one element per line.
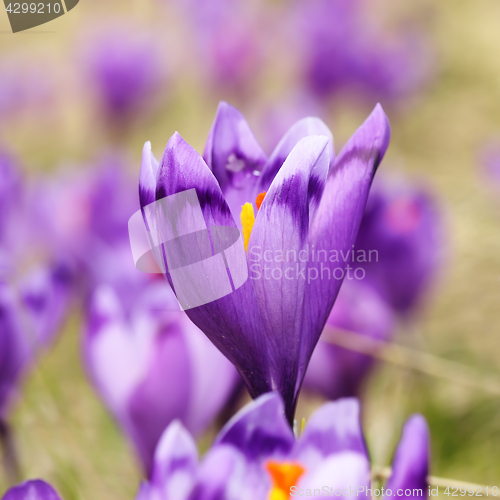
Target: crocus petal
<point>303,128</point>
<point>338,217</point>
<point>147,176</point>
<point>259,430</point>
<point>232,322</point>
<point>410,465</point>
<point>157,400</point>
<point>234,156</point>
<point>334,428</point>
<point>225,473</point>
<point>213,379</point>
<point>342,474</point>
<point>175,463</point>
<point>114,358</point>
<point>32,490</point>
<point>45,294</point>
<point>282,225</point>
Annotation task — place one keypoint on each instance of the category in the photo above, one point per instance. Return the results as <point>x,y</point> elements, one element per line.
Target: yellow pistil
<point>247,221</point>
<point>283,475</point>
<point>260,199</point>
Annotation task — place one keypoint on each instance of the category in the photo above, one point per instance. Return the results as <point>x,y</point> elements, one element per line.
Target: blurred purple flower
<point>83,215</point>
<point>151,365</point>
<point>334,371</point>
<point>126,69</point>
<point>27,85</point>
<point>268,328</point>
<point>32,490</point>
<point>29,321</point>
<point>228,39</point>
<point>402,230</point>
<point>11,192</point>
<point>489,158</point>
<point>343,48</point>
<point>256,457</point>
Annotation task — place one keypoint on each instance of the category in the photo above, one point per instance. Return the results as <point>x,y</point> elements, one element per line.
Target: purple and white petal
<point>175,463</point>
<point>343,475</point>
<point>148,175</point>
<point>280,232</point>
<point>333,428</point>
<point>303,128</point>
<point>163,394</point>
<point>225,473</point>
<point>234,156</point>
<point>336,222</point>
<point>259,430</point>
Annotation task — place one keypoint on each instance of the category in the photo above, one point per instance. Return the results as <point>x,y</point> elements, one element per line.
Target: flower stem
<point>10,457</point>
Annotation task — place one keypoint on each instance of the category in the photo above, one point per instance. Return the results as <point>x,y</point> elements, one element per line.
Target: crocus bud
<point>124,65</point>
<point>32,490</point>
<point>152,366</point>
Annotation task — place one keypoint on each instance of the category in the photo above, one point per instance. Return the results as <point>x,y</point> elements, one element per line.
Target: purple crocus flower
<point>125,68</point>
<point>83,216</point>
<point>269,326</point>
<point>228,39</point>
<point>151,365</point>
<point>257,457</point>
<point>343,49</point>
<point>32,490</point>
<point>29,321</point>
<point>400,242</point>
<point>334,371</point>
<point>489,158</point>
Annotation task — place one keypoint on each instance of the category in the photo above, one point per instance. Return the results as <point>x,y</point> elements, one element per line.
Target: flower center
<point>248,218</point>
<point>284,475</point>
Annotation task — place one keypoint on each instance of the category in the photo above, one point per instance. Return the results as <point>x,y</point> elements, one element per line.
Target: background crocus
<point>266,327</point>
<point>151,365</point>
<point>83,216</point>
<point>228,42</point>
<point>342,49</point>
<point>32,490</point>
<point>402,237</point>
<point>29,320</point>
<point>123,65</point>
<point>489,158</point>
<point>334,371</point>
<point>256,456</point>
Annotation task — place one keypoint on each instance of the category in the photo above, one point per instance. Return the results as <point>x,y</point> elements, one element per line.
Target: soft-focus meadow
<point>444,110</point>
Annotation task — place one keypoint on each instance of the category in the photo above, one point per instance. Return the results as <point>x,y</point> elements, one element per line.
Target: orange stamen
<point>283,475</point>
<point>260,199</point>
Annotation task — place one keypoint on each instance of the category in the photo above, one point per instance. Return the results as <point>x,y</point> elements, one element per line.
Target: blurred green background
<point>64,433</point>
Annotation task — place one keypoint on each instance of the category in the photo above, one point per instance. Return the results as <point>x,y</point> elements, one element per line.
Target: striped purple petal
<point>303,128</point>
<point>234,156</point>
<point>336,223</point>
<point>281,230</point>
<point>259,430</point>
